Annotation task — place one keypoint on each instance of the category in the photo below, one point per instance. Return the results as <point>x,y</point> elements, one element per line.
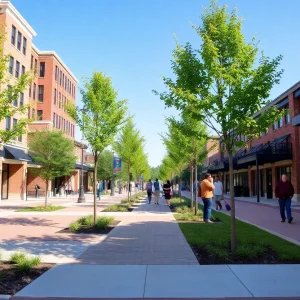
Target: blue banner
<point>117,164</point>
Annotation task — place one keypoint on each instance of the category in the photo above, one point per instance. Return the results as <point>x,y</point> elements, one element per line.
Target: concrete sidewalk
<point>180,281</point>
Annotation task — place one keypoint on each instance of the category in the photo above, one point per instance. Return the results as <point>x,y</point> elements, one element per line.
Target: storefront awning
<point>16,153</point>
<point>85,168</point>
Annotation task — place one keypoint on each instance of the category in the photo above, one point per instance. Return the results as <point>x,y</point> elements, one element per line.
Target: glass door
<point>5,181</point>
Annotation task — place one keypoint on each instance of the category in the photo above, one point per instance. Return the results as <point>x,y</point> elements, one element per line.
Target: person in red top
<point>284,193</point>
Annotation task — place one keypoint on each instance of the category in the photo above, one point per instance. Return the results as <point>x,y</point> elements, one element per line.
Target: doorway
<point>5,181</point>
<point>269,184</point>
<point>262,191</point>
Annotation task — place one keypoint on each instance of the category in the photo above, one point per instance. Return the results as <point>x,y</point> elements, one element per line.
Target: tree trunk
<point>196,196</point>
<point>232,203</point>
<point>94,186</point>
<point>46,193</point>
<point>191,189</point>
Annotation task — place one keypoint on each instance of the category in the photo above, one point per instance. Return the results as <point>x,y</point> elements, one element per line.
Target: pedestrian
<point>218,193</point>
<point>167,191</point>
<point>207,189</point>
<point>98,189</point>
<point>37,190</point>
<point>284,193</point>
<point>149,188</point>
<point>156,191</point>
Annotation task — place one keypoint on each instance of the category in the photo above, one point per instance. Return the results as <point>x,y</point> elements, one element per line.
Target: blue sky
<point>132,41</point>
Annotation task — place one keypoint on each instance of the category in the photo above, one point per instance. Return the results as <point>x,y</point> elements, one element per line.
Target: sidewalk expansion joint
<point>145,281</point>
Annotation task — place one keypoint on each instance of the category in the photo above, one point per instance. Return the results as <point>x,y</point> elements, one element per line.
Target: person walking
<point>167,191</point>
<point>156,191</point>
<point>218,193</point>
<point>149,188</point>
<point>98,189</point>
<point>207,190</point>
<point>37,190</point>
<point>284,193</point>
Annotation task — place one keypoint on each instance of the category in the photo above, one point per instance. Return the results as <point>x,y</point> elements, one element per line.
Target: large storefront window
<point>240,179</point>
<point>284,170</point>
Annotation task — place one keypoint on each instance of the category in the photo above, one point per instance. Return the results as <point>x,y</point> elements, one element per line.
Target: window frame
<point>39,114</point>
<point>34,91</point>
<point>21,99</point>
<point>11,65</point>
<point>17,69</point>
<point>24,48</point>
<point>42,69</point>
<point>41,87</point>
<point>13,35</point>
<point>7,122</point>
<point>19,40</point>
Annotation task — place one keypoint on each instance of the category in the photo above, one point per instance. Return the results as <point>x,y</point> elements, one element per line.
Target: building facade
<point>53,86</point>
<point>259,166</point>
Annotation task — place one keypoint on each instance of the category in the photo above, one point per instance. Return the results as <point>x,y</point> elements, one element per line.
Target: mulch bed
<point>14,281</point>
<point>92,230</point>
<point>205,258</point>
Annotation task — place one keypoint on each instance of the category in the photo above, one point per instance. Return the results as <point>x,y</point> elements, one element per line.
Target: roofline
<point>279,98</point>
<point>14,12</point>
<point>39,52</point>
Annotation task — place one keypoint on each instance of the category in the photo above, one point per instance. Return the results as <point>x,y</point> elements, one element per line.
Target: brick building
<point>53,86</point>
<point>259,167</point>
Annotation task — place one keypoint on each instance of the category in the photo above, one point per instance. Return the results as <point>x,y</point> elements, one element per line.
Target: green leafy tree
<point>54,153</point>
<point>154,172</point>
<point>223,84</point>
<point>100,119</point>
<point>105,166</point>
<point>129,145</point>
<point>10,91</point>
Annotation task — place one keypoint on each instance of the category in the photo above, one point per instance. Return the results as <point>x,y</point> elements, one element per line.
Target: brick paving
<point>143,240</point>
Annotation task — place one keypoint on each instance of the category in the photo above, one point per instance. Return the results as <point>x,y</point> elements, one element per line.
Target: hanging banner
<point>117,164</point>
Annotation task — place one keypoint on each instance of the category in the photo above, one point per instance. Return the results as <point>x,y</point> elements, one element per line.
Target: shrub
<point>87,221</point>
<point>17,256</point>
<point>23,263</point>
<point>250,251</point>
<point>74,226</point>
<point>103,222</point>
<point>116,208</point>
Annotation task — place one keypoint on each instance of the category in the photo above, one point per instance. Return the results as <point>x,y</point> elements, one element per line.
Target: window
<point>28,112</point>
<point>11,65</point>
<point>54,116</point>
<point>34,91</point>
<point>275,126</point>
<point>13,35</point>
<point>23,70</point>
<point>21,99</point>
<point>280,122</point>
<point>40,115</point>
<point>19,40</point>
<point>55,93</point>
<point>60,78</point>
<point>287,117</point>
<point>42,69</point>
<point>7,123</point>
<point>17,71</point>
<point>65,102</point>
<point>64,124</point>
<point>57,121</point>
<point>35,64</point>
<point>66,84</point>
<point>24,45</point>
<point>30,90</point>
<point>56,72</point>
<point>15,102</point>
<point>31,62</point>
<point>15,121</point>
<point>20,139</point>
<point>59,103</point>
<point>284,170</point>
<point>33,114</point>
<point>41,93</point>
<point>63,79</point>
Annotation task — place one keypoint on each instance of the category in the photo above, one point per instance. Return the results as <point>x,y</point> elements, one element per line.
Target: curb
<point>4,297</point>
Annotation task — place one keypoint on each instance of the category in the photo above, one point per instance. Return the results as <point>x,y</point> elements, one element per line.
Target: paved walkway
<point>150,236</point>
<point>266,217</point>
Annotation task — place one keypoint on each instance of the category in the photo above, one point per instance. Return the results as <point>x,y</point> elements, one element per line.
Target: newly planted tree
<point>100,119</point>
<point>129,145</point>
<point>223,84</point>
<point>53,153</point>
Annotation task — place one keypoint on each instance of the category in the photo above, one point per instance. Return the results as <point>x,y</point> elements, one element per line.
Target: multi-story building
<point>259,167</point>
<point>47,95</point>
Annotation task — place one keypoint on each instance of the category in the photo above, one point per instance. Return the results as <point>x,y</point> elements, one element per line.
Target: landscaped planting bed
<point>19,272</point>
<point>86,225</point>
<point>40,208</point>
<point>211,243</point>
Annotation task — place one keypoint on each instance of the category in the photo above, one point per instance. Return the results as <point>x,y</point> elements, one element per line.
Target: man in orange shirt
<point>207,192</point>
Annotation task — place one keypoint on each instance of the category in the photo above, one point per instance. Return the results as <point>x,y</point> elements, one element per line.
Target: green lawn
<point>253,242</point>
<point>40,208</point>
<point>117,208</point>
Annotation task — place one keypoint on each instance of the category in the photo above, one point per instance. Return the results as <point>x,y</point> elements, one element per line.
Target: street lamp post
<point>112,186</point>
<point>81,197</point>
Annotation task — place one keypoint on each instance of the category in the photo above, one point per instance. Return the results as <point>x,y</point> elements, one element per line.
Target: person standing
<point>218,193</point>
<point>156,191</point>
<point>284,193</point>
<point>149,188</point>
<point>167,191</point>
<point>207,190</point>
<point>98,189</point>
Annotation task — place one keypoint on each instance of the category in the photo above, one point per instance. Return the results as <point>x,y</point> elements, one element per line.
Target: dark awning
<point>85,168</point>
<point>281,139</point>
<point>296,120</point>
<point>16,153</point>
<point>283,103</point>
